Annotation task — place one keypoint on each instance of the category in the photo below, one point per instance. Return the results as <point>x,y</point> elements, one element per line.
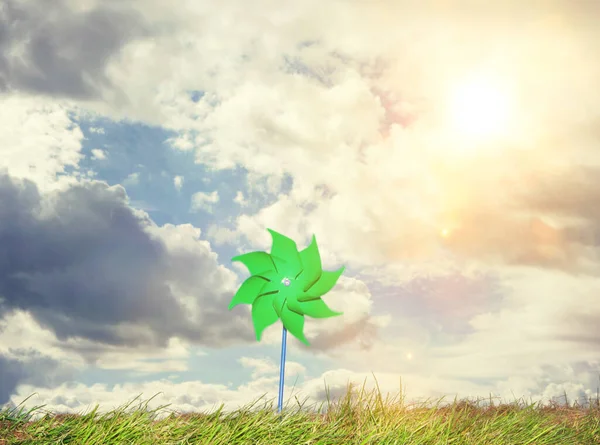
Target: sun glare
<point>479,109</point>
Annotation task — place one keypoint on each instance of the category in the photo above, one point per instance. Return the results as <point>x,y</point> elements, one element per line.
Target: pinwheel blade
<point>317,309</point>
<point>284,253</point>
<point>311,264</point>
<point>294,306</point>
<point>263,314</point>
<point>323,285</point>
<point>294,323</point>
<point>271,275</point>
<point>281,300</point>
<point>256,262</point>
<point>248,291</point>
<point>269,288</point>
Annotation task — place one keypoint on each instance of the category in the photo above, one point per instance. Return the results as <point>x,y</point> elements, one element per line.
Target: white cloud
<point>98,154</point>
<point>239,198</point>
<point>204,201</point>
<point>132,179</point>
<point>41,128</point>
<point>400,186</point>
<point>178,182</point>
<point>222,235</point>
<point>261,366</point>
<point>266,366</point>
<point>183,397</point>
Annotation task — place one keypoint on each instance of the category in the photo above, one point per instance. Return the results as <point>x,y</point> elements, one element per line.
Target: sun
<point>480,108</point>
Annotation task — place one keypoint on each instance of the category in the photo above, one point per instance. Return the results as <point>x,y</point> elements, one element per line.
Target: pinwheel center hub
<point>286,282</point>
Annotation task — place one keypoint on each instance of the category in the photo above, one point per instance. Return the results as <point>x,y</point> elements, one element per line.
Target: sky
<point>446,153</point>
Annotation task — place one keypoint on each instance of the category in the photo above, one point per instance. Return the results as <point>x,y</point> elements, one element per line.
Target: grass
<point>356,418</point>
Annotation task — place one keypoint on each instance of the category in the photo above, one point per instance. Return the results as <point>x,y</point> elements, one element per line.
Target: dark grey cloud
<point>62,52</point>
<point>11,371</point>
<point>30,367</point>
<point>86,268</point>
<point>84,265</point>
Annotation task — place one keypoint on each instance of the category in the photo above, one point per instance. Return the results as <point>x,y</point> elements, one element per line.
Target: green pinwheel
<point>286,285</point>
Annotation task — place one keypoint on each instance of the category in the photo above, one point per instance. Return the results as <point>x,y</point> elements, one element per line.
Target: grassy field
<point>356,418</point>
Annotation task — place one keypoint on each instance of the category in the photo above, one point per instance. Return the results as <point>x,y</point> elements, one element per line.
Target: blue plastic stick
<point>282,369</point>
